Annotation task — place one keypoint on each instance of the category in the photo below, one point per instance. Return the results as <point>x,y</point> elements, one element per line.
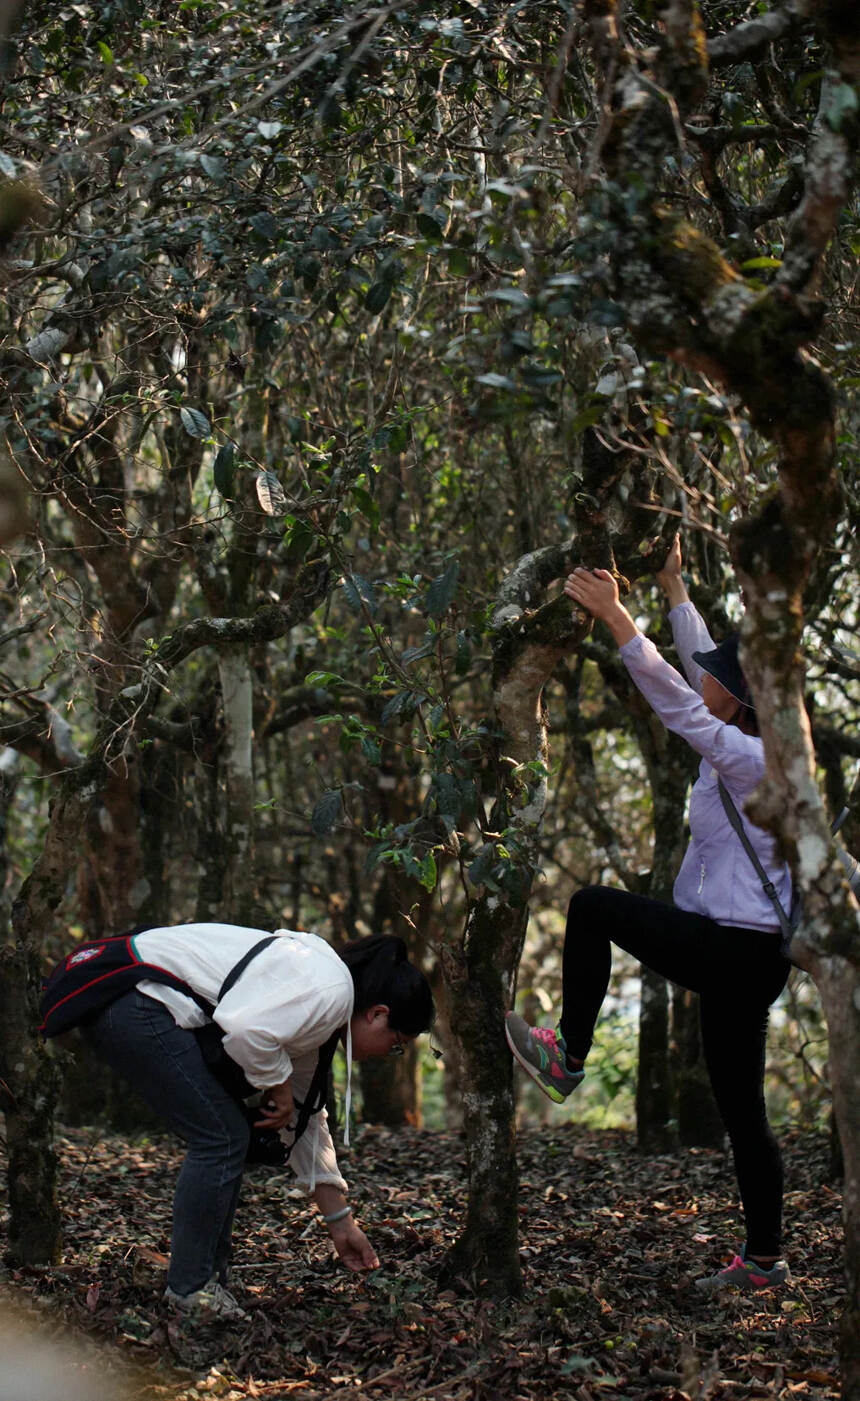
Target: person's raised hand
<point>669,577</point>
<point>595,590</point>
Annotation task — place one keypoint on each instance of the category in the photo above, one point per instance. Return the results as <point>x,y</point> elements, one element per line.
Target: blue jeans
<point>738,974</point>
<point>161,1061</point>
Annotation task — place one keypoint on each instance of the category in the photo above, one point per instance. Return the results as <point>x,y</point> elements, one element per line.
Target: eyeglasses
<point>399,1048</point>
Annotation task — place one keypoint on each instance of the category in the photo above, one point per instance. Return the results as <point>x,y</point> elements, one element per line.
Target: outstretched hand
<point>595,590</point>
<point>670,578</point>
<point>352,1246</point>
<point>672,564</point>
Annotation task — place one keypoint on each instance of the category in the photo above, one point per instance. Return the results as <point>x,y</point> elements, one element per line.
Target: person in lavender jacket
<point>719,937</point>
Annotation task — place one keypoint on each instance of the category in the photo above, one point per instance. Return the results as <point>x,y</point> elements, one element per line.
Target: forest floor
<point>610,1241</point>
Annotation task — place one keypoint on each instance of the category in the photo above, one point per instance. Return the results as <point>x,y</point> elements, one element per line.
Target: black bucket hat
<point>722,663</point>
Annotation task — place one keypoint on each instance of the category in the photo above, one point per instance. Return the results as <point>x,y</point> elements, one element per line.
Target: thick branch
<point>751,40</point>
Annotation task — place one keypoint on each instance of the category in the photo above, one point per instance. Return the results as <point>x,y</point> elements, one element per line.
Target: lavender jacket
<point>716,876</point>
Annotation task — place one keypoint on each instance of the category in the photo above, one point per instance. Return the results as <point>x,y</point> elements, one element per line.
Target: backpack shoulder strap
<point>238,968</point>
<point>767,884</point>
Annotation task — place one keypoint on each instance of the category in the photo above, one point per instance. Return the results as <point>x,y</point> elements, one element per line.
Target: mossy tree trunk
<point>29,1081</point>
<point>480,970</point>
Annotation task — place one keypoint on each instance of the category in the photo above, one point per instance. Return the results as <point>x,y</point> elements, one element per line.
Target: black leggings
<point>738,973</point>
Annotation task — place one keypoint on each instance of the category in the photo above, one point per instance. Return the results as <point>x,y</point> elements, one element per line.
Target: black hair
<point>382,974</point>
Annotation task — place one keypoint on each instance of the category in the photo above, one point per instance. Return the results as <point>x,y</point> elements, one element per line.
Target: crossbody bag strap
<point>232,977</point>
<point>767,884</point>
<point>238,968</point>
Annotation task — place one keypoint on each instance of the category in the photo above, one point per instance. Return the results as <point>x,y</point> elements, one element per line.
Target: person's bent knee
<point>590,901</point>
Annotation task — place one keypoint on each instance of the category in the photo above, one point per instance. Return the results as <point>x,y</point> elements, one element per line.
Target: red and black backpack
<point>93,975</point>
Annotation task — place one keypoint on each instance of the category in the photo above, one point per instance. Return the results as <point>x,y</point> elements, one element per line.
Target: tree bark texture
<point>30,1087</point>
<point>239,898</point>
<point>391,1089</point>
<point>28,1094</point>
<point>480,971</point>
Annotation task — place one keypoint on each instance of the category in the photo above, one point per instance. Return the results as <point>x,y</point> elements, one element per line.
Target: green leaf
<point>495,381</point>
<point>440,594</point>
<point>429,228</point>
<point>414,654</point>
<point>322,678</point>
<point>586,417</point>
<point>514,296</point>
<point>326,812</point>
<point>195,423</point>
<point>761,263</point>
<point>270,494</point>
<point>517,883</point>
<point>539,376</point>
<point>402,701</point>
<point>459,263</point>
<point>377,296</point>
<point>366,505</point>
<point>222,469</point>
<point>370,749</point>
<point>105,52</point>
<point>264,225</point>
<point>427,872</point>
<point>606,313</point>
<point>479,870</point>
<point>360,593</point>
<point>214,167</point>
<point>298,538</point>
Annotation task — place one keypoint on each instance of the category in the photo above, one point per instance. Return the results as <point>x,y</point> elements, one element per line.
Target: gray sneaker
<point>541,1053</point>
<point>212,1301</point>
<point>745,1274</point>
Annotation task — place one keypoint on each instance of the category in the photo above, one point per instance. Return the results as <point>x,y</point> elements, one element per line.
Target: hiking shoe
<point>212,1301</point>
<point>541,1053</point>
<point>745,1274</point>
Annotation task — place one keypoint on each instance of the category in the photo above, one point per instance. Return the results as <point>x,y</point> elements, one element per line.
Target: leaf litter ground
<point>610,1242</point>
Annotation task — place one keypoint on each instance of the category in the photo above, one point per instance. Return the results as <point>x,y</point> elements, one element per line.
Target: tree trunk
<point>699,1122</point>
<point>479,992</point>
<point>29,1075</point>
<point>667,761</point>
<point>28,1094</point>
<point>837,981</point>
<point>655,1125</point>
<point>391,1089</point>
<point>240,903</point>
<point>480,971</point>
<point>111,886</point>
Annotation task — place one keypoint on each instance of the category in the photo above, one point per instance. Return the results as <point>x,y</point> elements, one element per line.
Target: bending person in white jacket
<point>292,1000</point>
<point>720,937</point>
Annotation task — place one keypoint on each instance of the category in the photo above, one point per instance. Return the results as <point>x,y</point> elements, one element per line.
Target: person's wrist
<point>620,624</point>
<point>334,1218</point>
